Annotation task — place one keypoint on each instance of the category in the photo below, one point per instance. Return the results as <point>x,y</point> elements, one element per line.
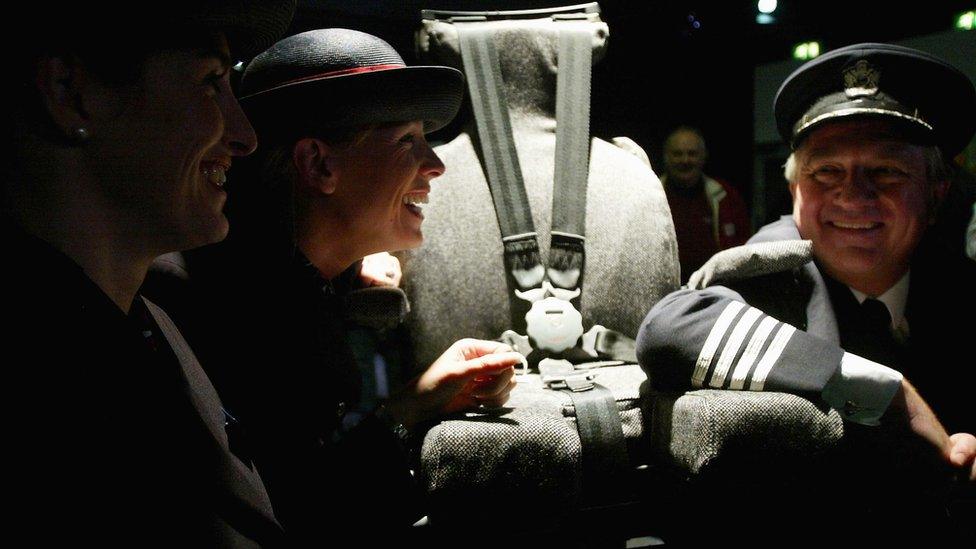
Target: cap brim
<point>839,106</point>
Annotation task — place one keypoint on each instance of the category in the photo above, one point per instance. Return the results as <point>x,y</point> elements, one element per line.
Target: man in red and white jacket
<point>709,215</point>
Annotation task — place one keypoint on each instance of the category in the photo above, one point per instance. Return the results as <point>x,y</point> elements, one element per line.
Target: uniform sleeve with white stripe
<point>712,339</point>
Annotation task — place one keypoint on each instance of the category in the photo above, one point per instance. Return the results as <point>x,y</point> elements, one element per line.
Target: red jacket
<point>730,218</point>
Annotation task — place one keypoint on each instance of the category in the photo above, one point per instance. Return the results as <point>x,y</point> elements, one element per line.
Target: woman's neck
<point>325,245</point>
<point>85,228</point>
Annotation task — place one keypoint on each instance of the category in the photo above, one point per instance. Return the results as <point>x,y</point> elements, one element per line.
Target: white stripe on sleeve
<point>732,346</point>
<point>739,375</point>
<point>712,341</point>
<point>775,349</point>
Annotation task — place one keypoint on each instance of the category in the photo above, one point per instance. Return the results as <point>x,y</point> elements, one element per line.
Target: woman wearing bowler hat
<point>119,139</point>
<point>343,171</point>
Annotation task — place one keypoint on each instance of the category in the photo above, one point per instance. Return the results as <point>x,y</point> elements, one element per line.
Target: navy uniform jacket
<point>772,321</point>
<point>113,436</point>
<point>270,333</point>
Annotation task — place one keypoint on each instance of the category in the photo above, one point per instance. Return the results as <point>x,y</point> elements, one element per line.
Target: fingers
<point>381,269</point>
<point>380,281</point>
<point>962,453</point>
<point>489,365</point>
<point>499,399</point>
<point>492,386</point>
<point>468,349</point>
<point>493,391</point>
<point>394,271</point>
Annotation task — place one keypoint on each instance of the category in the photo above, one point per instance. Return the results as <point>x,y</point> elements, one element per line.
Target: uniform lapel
<point>247,503</point>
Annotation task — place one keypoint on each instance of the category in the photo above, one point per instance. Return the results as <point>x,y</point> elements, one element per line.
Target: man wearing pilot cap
<point>843,300</point>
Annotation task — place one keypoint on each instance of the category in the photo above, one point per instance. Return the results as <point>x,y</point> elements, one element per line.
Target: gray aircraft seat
<point>530,452</point>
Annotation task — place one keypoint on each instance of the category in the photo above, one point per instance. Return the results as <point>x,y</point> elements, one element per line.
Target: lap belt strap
<point>604,450</point>
<point>603,447</point>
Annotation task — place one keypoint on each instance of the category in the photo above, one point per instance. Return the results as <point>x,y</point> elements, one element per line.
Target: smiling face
<point>862,195</point>
<point>381,179</point>
<point>163,155</point>
<point>684,158</point>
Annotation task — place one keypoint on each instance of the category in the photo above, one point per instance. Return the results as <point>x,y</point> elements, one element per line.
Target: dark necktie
<point>877,343</point>
<point>875,315</point>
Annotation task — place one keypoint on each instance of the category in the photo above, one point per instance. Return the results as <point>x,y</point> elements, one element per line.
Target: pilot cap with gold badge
<point>933,101</point>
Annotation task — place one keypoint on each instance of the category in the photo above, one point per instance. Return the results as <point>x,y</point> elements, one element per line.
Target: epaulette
<point>752,260</point>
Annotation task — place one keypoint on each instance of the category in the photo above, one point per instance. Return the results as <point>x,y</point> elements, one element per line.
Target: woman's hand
<point>381,269</point>
<point>470,373</point>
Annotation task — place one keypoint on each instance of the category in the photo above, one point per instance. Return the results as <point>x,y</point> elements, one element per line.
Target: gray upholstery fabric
<point>528,452</point>
<point>456,280</point>
<point>527,456</point>
<point>752,260</point>
<point>764,467</point>
<point>377,307</point>
<point>633,148</point>
<point>705,429</point>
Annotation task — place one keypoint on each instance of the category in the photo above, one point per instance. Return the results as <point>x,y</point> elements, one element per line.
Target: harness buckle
<point>561,374</point>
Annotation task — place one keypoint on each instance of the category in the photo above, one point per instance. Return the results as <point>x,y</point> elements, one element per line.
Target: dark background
<point>661,70</point>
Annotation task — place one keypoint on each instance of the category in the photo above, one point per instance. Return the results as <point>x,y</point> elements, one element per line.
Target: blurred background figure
<point>709,215</point>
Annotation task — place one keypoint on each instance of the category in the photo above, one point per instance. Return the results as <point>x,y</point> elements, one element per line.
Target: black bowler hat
<point>341,78</point>
<point>249,25</point>
<point>931,99</point>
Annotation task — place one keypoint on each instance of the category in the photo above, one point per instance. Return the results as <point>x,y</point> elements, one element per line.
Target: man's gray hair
<point>936,168</point>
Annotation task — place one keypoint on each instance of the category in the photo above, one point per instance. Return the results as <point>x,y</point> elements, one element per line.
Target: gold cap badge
<point>861,79</point>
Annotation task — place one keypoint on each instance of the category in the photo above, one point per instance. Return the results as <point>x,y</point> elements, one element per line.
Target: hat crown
<point>912,88</point>
<point>341,78</point>
<point>249,25</point>
<point>317,53</point>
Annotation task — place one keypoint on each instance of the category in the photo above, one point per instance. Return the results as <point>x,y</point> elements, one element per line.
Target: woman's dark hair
<point>117,61</point>
<point>117,58</point>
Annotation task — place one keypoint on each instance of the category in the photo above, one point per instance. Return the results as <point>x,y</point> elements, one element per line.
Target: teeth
<point>216,174</point>
<point>855,225</point>
<point>415,199</point>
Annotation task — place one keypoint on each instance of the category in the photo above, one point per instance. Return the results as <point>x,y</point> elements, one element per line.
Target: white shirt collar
<point>894,299</point>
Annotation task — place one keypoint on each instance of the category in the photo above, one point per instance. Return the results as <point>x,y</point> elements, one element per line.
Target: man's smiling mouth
<point>866,225</point>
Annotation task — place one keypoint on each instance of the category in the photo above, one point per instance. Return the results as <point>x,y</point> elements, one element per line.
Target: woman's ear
<point>62,84</point>
<point>315,165</point>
